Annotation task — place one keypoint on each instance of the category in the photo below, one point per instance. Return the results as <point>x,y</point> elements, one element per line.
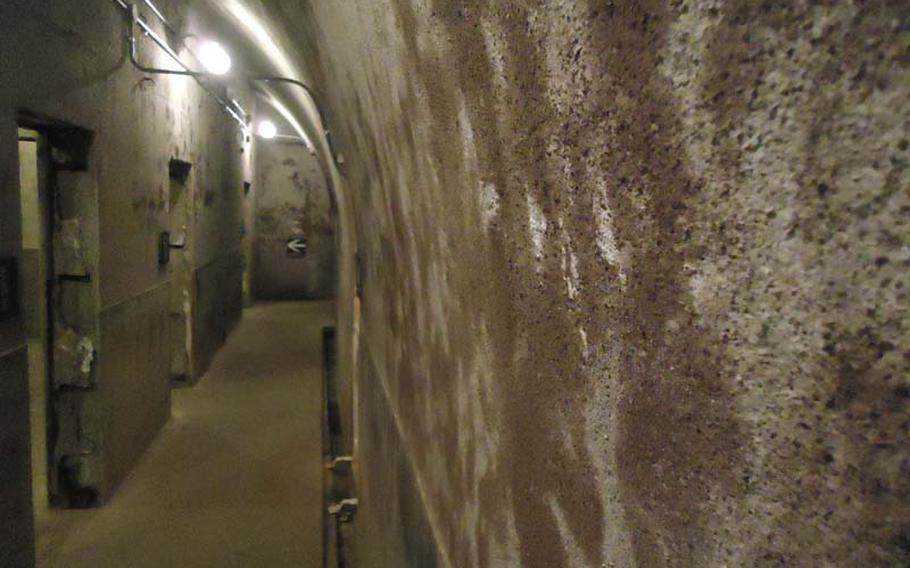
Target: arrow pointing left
<point>297,246</point>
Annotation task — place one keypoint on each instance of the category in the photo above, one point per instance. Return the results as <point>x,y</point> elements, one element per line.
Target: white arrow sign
<point>297,246</point>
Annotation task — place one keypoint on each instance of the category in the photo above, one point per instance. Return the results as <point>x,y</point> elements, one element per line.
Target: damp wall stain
<point>68,64</point>
<point>291,201</point>
<point>635,274</point>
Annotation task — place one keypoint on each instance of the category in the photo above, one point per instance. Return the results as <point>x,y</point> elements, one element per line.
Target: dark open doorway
<point>179,239</point>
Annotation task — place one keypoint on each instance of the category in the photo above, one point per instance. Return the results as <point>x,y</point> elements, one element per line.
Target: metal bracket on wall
<point>341,464</point>
<point>344,510</point>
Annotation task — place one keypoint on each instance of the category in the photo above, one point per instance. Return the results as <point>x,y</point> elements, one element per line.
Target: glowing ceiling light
<point>267,129</point>
<point>214,58</point>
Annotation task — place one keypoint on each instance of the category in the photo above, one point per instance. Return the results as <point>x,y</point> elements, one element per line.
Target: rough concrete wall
<point>67,61</point>
<point>394,530</point>
<point>16,524</point>
<point>636,274</point>
<point>136,411</point>
<point>218,303</point>
<point>248,211</point>
<point>221,160</point>
<point>291,200</point>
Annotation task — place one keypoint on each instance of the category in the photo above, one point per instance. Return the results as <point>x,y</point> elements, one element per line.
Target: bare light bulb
<point>214,58</point>
<point>267,129</point>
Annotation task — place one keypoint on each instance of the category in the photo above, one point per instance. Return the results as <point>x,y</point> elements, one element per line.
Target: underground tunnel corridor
<point>235,477</point>
<point>455,283</point>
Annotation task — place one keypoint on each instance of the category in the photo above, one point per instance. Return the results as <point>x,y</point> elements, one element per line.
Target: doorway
<point>58,207</point>
<point>178,241</point>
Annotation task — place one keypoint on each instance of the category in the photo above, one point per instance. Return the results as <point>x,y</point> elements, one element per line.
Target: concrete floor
<point>235,477</point>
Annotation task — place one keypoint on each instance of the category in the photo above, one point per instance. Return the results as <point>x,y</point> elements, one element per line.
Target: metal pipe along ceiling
<point>137,20</point>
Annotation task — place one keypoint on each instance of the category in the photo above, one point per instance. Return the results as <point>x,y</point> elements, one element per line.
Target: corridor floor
<point>234,479</point>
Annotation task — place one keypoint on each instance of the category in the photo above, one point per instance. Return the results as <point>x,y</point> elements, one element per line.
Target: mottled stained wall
<point>66,61</point>
<point>291,200</point>
<point>635,274</point>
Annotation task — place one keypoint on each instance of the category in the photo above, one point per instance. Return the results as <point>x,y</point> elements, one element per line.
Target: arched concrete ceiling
<point>604,245</point>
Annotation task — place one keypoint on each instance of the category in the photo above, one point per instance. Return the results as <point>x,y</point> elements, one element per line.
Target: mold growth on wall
<point>642,264</point>
<point>71,70</point>
<point>292,203</point>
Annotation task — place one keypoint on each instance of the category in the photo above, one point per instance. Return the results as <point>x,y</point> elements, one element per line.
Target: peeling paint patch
<point>585,347</point>
<point>489,204</point>
<point>87,350</point>
<point>606,240</point>
<point>74,356</point>
<point>537,224</point>
<point>570,271</point>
